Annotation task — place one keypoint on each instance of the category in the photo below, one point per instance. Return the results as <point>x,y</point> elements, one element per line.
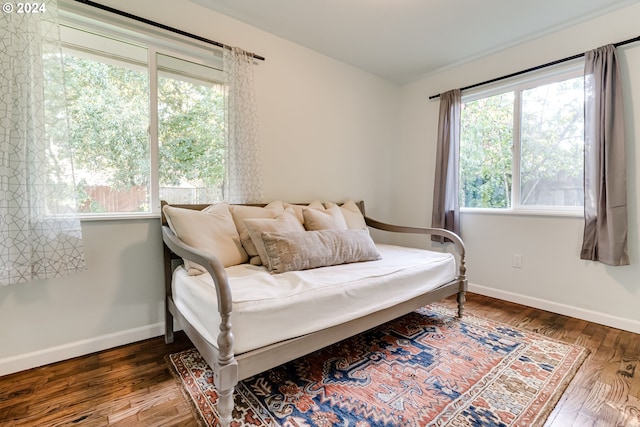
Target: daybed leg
<point>226,371</point>
<point>225,406</point>
<point>168,326</point>
<point>461,300</point>
<point>462,276</point>
<point>168,282</point>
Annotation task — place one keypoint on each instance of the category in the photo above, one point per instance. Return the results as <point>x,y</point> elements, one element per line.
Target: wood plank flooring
<point>132,386</point>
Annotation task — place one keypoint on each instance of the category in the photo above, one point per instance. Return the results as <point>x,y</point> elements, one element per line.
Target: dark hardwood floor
<point>132,386</point>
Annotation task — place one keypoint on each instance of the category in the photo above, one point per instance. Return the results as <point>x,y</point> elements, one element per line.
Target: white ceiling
<point>403,40</point>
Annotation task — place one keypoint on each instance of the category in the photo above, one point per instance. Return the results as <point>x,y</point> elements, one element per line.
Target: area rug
<point>427,368</point>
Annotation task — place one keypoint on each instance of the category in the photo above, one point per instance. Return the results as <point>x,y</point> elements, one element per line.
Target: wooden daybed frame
<point>230,368</point>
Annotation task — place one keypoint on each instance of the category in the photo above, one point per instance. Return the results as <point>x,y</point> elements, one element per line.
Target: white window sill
<point>118,217</point>
<point>567,213</point>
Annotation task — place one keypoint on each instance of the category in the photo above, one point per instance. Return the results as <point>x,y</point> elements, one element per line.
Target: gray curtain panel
<point>605,177</point>
<point>446,207</point>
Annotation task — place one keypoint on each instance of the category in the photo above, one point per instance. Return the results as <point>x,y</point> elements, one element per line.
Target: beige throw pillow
<point>240,213</point>
<point>211,230</point>
<point>329,219</point>
<point>288,251</point>
<point>352,214</point>
<point>286,222</point>
<point>316,204</point>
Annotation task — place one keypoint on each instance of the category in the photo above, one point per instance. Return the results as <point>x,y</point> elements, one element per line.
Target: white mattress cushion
<point>268,308</point>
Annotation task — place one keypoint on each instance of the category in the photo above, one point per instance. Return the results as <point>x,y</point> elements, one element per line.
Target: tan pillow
<point>316,204</point>
<point>211,230</point>
<point>285,223</point>
<point>329,219</point>
<point>312,249</point>
<point>240,213</point>
<point>352,214</point>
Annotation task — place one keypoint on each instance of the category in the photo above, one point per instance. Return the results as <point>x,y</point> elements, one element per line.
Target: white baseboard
<point>21,362</point>
<point>554,307</point>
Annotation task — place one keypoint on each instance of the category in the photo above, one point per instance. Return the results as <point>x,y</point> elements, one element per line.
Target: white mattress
<point>268,308</point>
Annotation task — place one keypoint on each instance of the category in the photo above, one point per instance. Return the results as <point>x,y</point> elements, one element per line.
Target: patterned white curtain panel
<point>243,183</point>
<point>40,235</point>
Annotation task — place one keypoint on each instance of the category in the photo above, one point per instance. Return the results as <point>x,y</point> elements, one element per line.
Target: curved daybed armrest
<point>218,274</point>
<point>457,241</point>
<point>418,230</point>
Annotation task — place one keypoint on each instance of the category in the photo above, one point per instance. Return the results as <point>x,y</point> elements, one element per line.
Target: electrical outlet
<point>517,261</point>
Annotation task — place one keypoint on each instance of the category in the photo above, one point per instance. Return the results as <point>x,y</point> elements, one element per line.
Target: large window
<point>521,147</point>
<point>144,124</point>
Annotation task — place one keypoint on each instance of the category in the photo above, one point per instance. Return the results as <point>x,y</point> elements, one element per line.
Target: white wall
<point>552,277</point>
<point>117,300</point>
<point>327,132</point>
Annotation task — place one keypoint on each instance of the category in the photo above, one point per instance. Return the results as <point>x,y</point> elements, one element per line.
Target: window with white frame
<point>145,122</point>
<point>521,146</point>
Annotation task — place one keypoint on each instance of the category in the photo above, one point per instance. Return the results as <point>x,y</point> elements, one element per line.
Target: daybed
<point>322,279</point>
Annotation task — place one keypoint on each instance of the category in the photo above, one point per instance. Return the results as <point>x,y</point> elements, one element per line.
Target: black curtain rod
<point>528,70</point>
<point>159,25</point>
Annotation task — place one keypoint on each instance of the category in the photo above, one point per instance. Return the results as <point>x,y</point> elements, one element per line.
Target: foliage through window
<point>111,99</point>
<point>191,132</point>
<point>522,148</point>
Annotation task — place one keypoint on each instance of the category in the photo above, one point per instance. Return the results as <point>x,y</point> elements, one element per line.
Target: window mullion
<point>154,147</point>
<point>516,150</point>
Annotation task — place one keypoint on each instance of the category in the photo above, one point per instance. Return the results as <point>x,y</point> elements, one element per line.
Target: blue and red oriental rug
<point>427,368</point>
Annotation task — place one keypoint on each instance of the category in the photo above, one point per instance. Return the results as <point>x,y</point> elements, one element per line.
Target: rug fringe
<point>185,393</point>
<point>556,396</point>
